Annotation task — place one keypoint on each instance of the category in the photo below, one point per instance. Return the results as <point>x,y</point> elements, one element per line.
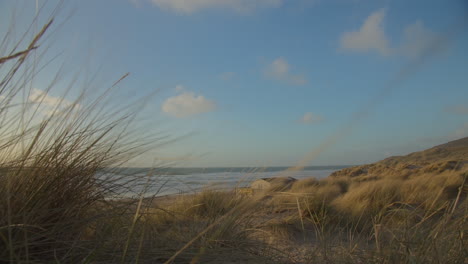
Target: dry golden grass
<point>431,189</point>
<point>385,219</point>
<point>368,198</point>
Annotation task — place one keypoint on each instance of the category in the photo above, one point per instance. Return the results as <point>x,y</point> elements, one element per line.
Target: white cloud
<point>50,105</point>
<point>191,6</point>
<point>226,76</point>
<point>39,96</point>
<point>310,118</point>
<point>370,37</point>
<point>279,69</point>
<point>187,104</point>
<point>417,39</point>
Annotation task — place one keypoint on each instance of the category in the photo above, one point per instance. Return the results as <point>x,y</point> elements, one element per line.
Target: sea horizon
<point>169,181</point>
<point>220,169</point>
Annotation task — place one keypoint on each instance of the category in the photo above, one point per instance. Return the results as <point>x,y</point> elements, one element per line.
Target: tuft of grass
<point>56,160</point>
<point>211,203</point>
<point>367,199</point>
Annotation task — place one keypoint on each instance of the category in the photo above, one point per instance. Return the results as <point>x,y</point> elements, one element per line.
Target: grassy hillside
<point>449,156</point>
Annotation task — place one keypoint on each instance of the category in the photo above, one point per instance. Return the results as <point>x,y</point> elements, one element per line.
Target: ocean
<point>133,182</point>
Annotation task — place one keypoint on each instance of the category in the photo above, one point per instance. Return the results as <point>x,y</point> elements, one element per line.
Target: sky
<point>267,82</point>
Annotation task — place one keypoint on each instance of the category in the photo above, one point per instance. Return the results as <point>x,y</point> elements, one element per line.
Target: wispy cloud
<point>417,39</point>
<point>192,6</point>
<point>187,104</point>
<point>369,37</point>
<point>310,118</point>
<point>279,69</point>
<point>226,76</point>
<point>50,105</point>
<point>461,132</point>
<point>176,158</point>
<point>457,109</point>
<point>136,3</point>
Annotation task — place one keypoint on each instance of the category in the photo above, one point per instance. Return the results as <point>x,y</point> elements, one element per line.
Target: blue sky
<point>265,82</point>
